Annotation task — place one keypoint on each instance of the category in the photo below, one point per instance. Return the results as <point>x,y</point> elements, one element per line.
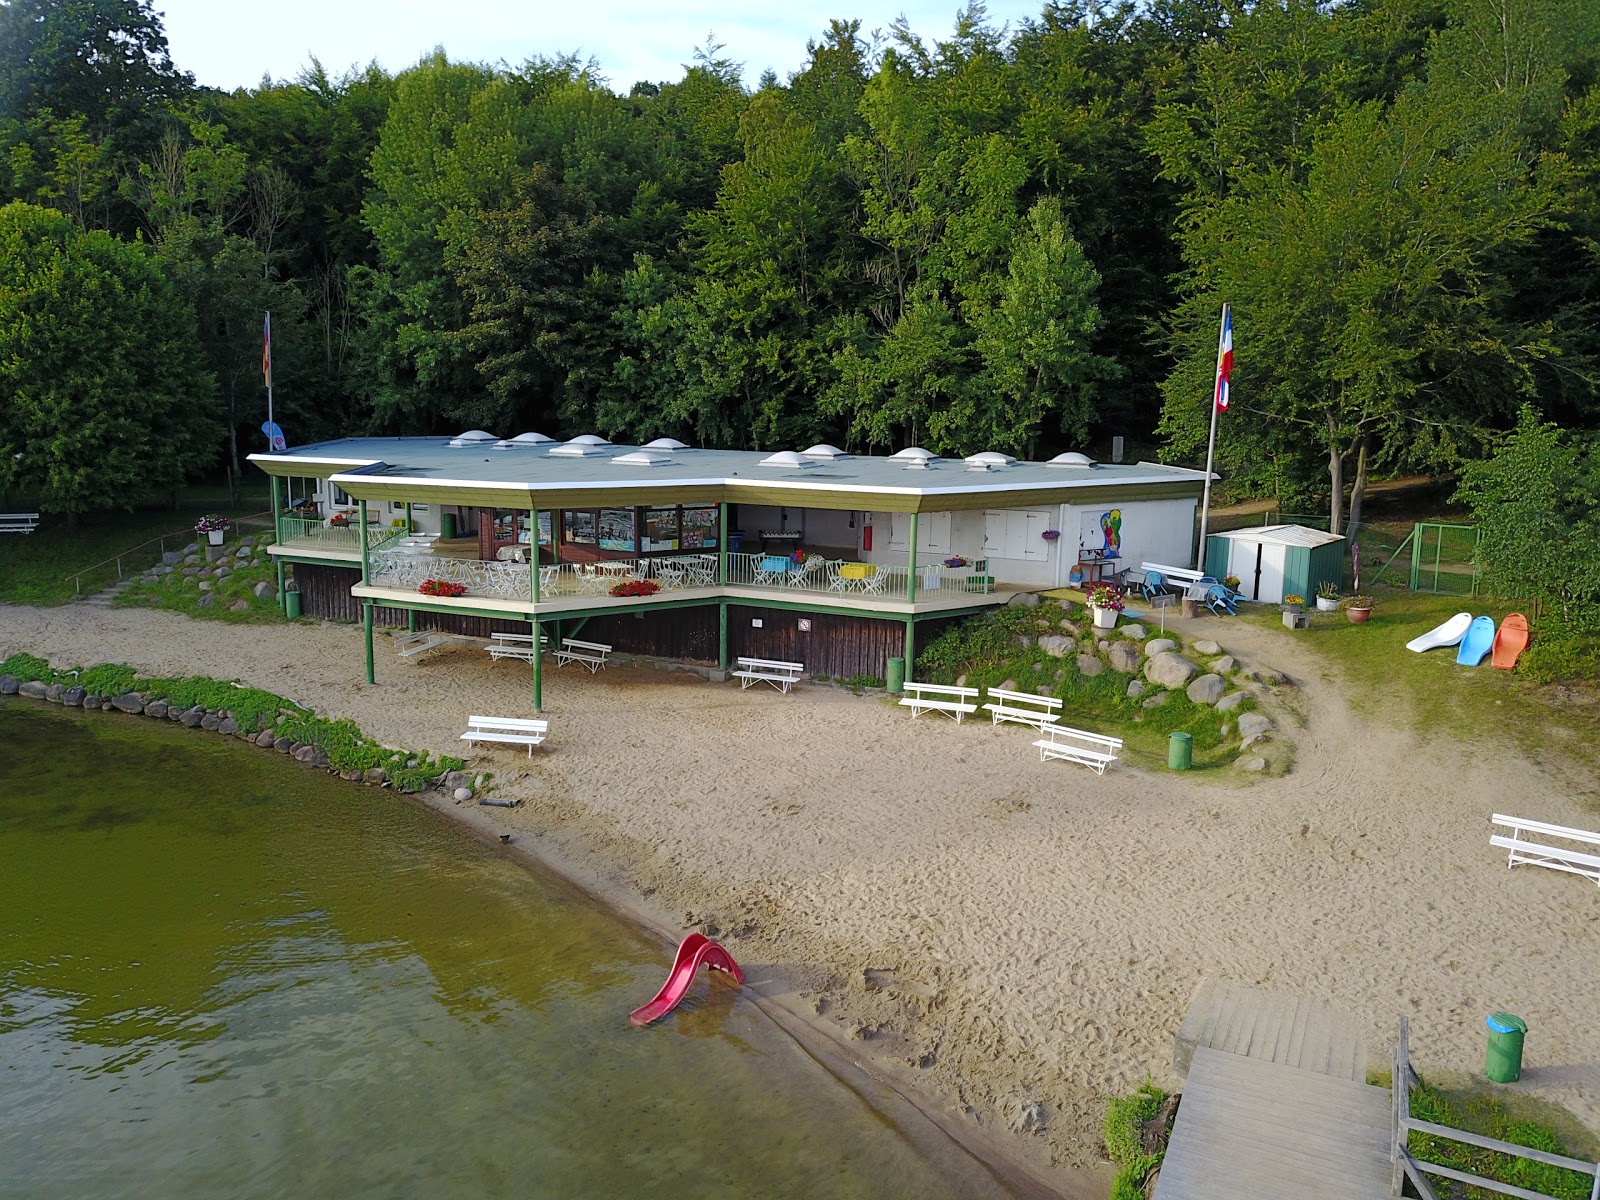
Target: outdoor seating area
<point>513,645</point>
<point>514,731</point>
<point>1025,708</point>
<point>18,522</point>
<point>1092,750</point>
<point>781,675</point>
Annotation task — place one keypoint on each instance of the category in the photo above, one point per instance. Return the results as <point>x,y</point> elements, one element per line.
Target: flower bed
<point>636,587</point>
<point>442,587</point>
<point>1107,597</point>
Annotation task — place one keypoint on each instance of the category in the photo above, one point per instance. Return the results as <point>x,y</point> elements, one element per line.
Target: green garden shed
<point>1274,561</point>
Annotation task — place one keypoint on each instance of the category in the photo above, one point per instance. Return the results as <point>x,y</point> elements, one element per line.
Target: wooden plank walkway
<point>1253,1129</point>
<point>1274,1026</point>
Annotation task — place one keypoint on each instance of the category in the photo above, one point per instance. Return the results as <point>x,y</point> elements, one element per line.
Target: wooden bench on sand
<point>933,697</point>
<point>781,675</point>
<point>590,654</point>
<point>513,645</point>
<point>1557,858</point>
<point>1023,707</point>
<point>510,730</point>
<point>1076,745</point>
<point>18,522</point>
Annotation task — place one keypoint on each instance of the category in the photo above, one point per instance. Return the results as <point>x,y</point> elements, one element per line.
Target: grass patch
<point>1484,1114</point>
<point>1002,645</point>
<point>347,748</point>
<point>233,597</point>
<point>34,567</point>
<point>1431,691</point>
<point>1126,1118</point>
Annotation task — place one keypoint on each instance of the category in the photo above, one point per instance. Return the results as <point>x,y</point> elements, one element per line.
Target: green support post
<point>533,556</point>
<point>366,623</point>
<point>410,527</point>
<point>538,662</point>
<point>277,531</point>
<point>411,620</point>
<point>722,570</point>
<point>722,635</point>
<point>366,572</point>
<point>911,644</point>
<point>282,582</point>
<point>911,578</point>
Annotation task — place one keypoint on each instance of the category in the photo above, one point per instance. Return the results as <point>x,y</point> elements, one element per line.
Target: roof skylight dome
<point>1071,459</point>
<point>789,459</point>
<point>911,453</point>
<point>588,439</point>
<point>823,450</point>
<point>665,444</point>
<point>989,458</point>
<point>472,437</point>
<point>521,440</point>
<point>644,458</point>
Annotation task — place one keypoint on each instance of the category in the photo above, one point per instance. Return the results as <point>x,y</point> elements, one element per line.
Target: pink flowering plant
<point>1106,596</point>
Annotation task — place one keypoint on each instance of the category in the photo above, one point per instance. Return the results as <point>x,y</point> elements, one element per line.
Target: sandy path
<point>982,923</point>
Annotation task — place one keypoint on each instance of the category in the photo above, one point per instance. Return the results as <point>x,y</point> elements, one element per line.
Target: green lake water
<point>223,975</point>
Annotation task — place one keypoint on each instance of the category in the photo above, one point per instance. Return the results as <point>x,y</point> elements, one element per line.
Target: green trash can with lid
<point>291,604</point>
<point>896,677</point>
<point>1180,751</point>
<point>1503,1062</point>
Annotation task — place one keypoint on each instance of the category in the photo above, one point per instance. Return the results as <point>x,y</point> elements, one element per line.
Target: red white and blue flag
<point>266,352</point>
<point>1224,360</point>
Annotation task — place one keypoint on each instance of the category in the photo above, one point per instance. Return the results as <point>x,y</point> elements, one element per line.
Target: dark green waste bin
<point>291,605</point>
<point>897,675</point>
<point>447,526</point>
<point>1503,1063</point>
<point>1180,751</point>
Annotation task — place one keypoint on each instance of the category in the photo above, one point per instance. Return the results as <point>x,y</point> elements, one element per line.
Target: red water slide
<point>697,948</point>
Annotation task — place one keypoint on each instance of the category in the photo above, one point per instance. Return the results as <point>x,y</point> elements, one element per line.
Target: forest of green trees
<point>1011,238</point>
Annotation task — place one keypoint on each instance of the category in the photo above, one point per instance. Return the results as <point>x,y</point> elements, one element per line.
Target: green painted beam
<point>538,653</point>
<point>722,635</point>
<point>366,622</point>
<point>366,565</point>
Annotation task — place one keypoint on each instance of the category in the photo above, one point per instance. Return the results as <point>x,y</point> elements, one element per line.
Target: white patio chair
<point>876,583</point>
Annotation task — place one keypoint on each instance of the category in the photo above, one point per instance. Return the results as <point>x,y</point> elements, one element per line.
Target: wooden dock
<point>1276,1027</point>
<point>1253,1129</point>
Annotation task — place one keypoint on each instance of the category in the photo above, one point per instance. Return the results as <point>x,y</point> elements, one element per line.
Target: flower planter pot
<point>1358,616</point>
<point>1104,618</point>
<point>214,536</point>
<point>1324,604</point>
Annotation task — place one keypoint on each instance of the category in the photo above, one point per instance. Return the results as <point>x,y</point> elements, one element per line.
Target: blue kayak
<point>1478,642</point>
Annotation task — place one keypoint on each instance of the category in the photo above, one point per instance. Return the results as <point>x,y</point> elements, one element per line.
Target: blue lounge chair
<point>1221,601</point>
<point>1155,584</point>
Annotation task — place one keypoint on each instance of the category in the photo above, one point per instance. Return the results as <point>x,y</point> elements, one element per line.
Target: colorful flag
<point>1224,360</point>
<point>275,438</point>
<point>266,352</point>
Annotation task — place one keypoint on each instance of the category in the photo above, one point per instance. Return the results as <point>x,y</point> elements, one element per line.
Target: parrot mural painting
<point>1111,526</point>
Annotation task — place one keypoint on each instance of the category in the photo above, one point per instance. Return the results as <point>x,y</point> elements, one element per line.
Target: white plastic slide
<point>1448,634</point>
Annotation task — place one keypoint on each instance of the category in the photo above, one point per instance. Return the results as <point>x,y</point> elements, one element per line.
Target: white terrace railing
<point>319,535</point>
<point>399,567</point>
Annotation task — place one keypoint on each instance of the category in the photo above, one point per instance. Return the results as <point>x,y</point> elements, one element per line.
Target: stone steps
<point>1276,1027</point>
<point>106,598</point>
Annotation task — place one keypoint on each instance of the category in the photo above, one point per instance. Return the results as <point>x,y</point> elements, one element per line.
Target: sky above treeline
<point>231,44</point>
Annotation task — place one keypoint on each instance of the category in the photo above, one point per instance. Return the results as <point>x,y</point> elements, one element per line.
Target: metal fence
<point>1435,557</point>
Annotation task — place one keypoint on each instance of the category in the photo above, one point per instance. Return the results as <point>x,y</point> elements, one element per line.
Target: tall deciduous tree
<point>103,398</point>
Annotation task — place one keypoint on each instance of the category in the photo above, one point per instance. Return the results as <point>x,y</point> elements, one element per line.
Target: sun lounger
<point>1478,641</point>
<point>781,675</point>
<point>510,730</point>
<point>1510,642</point>
<point>1448,634</point>
<point>954,702</point>
<point>1075,745</point>
<point>1023,707</point>
<point>1584,862</point>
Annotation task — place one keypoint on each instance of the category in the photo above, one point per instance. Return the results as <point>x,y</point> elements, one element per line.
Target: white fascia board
<point>314,460</point>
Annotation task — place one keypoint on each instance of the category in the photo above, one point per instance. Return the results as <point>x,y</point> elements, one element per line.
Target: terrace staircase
<point>1275,1103</point>
<point>108,597</point>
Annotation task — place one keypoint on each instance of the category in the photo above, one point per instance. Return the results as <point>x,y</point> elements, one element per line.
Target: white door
<point>1259,566</point>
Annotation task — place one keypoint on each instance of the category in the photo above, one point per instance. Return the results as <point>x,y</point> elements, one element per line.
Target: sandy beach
<point>972,922</point>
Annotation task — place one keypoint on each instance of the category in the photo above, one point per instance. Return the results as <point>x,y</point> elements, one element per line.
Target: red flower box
<point>637,587</point>
<point>441,587</point>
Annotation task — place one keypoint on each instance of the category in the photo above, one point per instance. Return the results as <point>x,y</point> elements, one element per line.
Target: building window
<point>616,530</point>
<point>579,526</point>
<point>700,528</point>
<point>661,530</point>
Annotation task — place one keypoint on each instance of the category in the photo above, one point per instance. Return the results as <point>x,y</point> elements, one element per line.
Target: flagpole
<point>1211,454</point>
<point>266,357</point>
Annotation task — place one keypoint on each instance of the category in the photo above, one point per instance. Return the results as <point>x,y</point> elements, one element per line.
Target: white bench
<point>413,644</point>
<point>511,730</point>
<point>1188,577</point>
<point>781,675</point>
<point>513,645</point>
<point>18,522</point>
<point>932,697</point>
<point>1076,745</point>
<point>590,654</point>
<point>1557,858</point>
<point>1023,707</point>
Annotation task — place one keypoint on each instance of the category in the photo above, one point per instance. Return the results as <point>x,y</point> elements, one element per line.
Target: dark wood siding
<point>837,645</point>
<point>682,634</point>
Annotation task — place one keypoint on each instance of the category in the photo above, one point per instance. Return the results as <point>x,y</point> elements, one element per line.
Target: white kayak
<point>1448,634</point>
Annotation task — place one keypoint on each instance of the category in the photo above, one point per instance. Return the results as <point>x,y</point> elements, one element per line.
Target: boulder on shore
<point>31,688</point>
<point>1160,646</point>
<point>1207,646</point>
<point>1207,689</point>
<point>1124,657</point>
<point>1170,670</point>
<point>8,685</point>
<point>1055,645</point>
<point>1253,724</point>
<point>73,696</point>
<point>1089,665</point>
<point>156,708</point>
<point>128,702</point>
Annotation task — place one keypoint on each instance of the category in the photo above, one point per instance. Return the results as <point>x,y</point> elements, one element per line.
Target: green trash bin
<point>447,526</point>
<point>291,605</point>
<point>1503,1063</point>
<point>897,675</point>
<point>1180,751</point>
